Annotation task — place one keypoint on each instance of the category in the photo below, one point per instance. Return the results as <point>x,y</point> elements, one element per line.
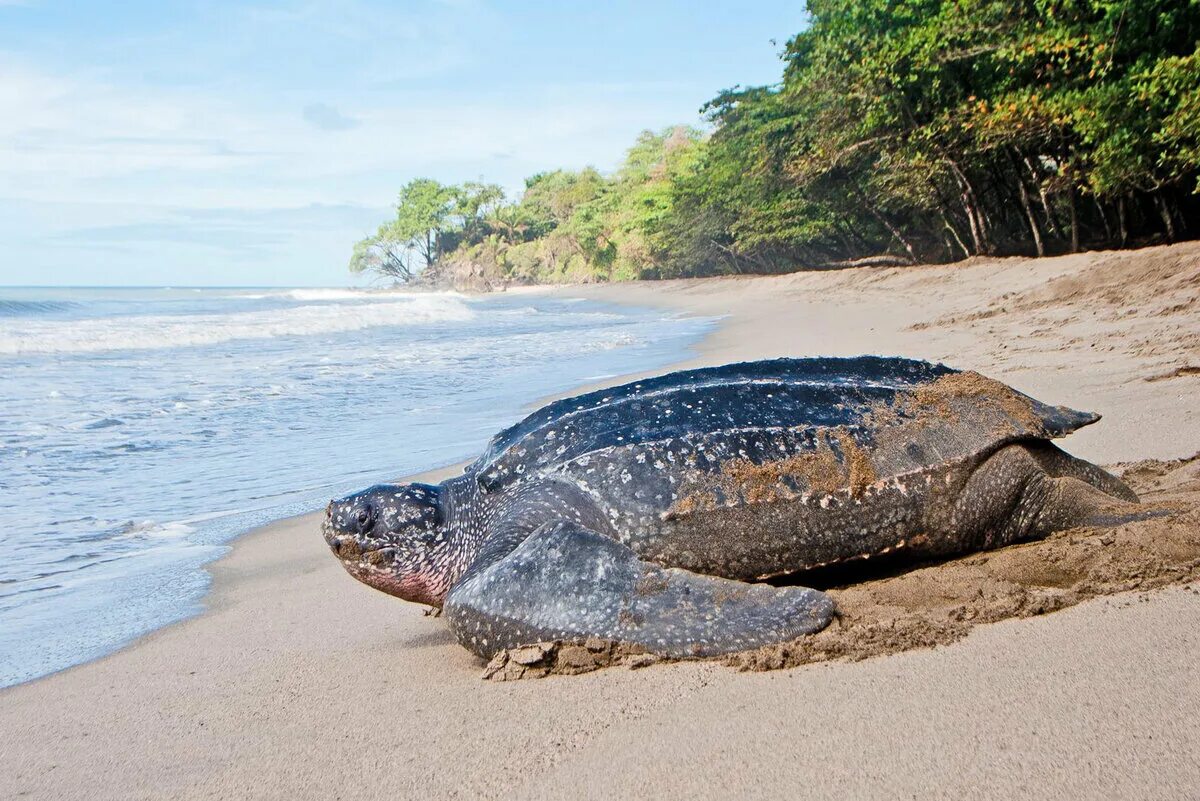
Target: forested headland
<point>901,131</point>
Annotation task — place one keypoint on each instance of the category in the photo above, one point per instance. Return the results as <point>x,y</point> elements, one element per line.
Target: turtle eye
<point>365,516</point>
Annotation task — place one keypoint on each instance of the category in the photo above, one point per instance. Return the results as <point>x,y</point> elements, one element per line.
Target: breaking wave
<point>318,294</point>
<point>153,332</point>
<point>29,308</point>
<point>334,294</point>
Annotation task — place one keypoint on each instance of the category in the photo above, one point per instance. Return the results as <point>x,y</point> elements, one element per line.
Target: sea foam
<point>143,429</point>
<point>141,332</point>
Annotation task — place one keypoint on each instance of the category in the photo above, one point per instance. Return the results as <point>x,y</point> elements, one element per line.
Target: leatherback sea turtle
<point>643,513</point>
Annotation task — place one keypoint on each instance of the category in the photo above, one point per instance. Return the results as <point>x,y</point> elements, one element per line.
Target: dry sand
<point>300,683</point>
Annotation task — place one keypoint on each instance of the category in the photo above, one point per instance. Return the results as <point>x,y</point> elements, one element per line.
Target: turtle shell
<point>758,432</point>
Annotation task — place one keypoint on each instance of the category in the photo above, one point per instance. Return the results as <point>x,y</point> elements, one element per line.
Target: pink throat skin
<point>419,588</point>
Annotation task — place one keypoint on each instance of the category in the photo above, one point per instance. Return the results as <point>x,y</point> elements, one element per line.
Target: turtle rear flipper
<point>1026,491</point>
<point>567,582</point>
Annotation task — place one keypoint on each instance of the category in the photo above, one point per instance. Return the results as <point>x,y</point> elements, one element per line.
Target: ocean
<point>141,430</point>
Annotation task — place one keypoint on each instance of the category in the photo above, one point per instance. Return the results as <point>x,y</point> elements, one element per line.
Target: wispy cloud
<point>198,136</point>
<point>233,232</point>
<point>62,137</point>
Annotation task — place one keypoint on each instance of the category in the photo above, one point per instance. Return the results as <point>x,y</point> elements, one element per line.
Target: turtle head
<point>393,537</point>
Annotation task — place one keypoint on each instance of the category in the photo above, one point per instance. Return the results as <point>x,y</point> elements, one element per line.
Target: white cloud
<point>103,183</point>
<point>65,137</point>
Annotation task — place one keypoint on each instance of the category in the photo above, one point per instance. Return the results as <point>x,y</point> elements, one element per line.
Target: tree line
<point>902,131</point>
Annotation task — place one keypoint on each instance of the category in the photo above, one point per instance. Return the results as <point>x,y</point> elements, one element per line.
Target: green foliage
<point>473,204</point>
<point>913,130</point>
<point>423,211</point>
<point>382,255</point>
<point>1171,89</point>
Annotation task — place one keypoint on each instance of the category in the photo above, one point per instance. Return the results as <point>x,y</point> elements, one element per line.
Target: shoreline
<point>294,659</point>
<point>56,632</point>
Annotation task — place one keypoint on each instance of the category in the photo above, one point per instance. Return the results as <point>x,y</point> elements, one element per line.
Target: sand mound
<point>940,603</point>
<point>1161,282</point>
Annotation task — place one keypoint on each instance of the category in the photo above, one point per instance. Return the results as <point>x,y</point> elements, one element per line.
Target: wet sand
<point>300,683</point>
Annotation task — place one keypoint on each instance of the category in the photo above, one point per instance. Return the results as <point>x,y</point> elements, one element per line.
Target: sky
<point>251,144</point>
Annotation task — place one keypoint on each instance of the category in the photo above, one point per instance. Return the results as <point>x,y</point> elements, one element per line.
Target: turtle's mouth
<point>352,548</point>
<point>366,560</point>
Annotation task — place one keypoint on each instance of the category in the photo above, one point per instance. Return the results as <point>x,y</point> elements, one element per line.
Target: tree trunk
<point>1104,219</point>
<point>730,254</point>
<point>892,229</point>
<point>976,232</point>
<point>954,232</point>
<point>1033,223</point>
<point>765,267</point>
<point>1074,220</point>
<point>1047,209</point>
<point>895,232</point>
<point>1164,211</point>
<point>1121,221</point>
<point>971,207</point>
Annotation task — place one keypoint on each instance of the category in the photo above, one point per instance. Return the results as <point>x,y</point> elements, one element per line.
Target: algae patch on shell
<point>838,463</point>
<point>938,396</point>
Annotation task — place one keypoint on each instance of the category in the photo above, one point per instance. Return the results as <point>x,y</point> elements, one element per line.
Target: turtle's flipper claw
<point>566,582</point>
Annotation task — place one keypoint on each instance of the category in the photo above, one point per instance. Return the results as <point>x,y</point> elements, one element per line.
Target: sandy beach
<point>298,682</point>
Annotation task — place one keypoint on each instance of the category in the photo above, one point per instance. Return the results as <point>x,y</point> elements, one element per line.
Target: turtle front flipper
<point>565,582</point>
